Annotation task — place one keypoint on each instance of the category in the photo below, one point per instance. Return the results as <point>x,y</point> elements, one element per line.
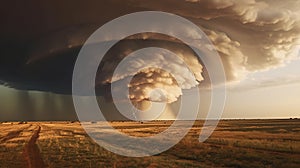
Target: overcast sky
<point>257,40</point>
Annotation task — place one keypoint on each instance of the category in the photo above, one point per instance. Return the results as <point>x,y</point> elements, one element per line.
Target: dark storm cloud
<point>250,35</point>
<point>40,45</point>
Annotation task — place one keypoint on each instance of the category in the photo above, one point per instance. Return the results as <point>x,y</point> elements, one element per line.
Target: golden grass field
<point>235,143</point>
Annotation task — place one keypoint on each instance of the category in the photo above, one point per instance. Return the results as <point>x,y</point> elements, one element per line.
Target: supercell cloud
<point>149,70</point>
<point>250,35</point>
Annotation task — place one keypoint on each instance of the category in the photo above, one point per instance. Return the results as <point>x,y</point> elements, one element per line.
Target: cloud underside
<point>249,35</point>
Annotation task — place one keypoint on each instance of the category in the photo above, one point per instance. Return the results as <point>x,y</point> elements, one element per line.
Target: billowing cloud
<point>155,76</point>
<point>250,36</point>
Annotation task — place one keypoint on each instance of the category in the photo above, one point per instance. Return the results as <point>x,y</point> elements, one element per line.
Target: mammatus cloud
<point>250,36</point>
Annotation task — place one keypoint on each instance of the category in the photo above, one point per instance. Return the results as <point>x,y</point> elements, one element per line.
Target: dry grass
<point>235,143</point>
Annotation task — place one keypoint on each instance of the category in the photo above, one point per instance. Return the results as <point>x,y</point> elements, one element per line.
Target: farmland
<point>234,143</point>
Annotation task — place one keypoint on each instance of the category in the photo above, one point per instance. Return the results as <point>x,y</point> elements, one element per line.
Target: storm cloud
<point>250,36</point>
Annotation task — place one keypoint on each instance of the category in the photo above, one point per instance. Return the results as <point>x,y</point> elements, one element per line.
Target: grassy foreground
<point>235,143</point>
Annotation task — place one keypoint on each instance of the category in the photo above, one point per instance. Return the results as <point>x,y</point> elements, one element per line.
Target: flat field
<point>234,143</point>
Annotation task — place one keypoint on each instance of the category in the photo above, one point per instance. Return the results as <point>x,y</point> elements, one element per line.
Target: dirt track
<point>31,151</point>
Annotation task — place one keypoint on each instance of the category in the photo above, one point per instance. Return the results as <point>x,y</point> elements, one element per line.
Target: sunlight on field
<point>235,143</point>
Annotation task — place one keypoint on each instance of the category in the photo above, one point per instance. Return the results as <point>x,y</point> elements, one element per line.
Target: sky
<point>257,41</point>
<point>261,95</point>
